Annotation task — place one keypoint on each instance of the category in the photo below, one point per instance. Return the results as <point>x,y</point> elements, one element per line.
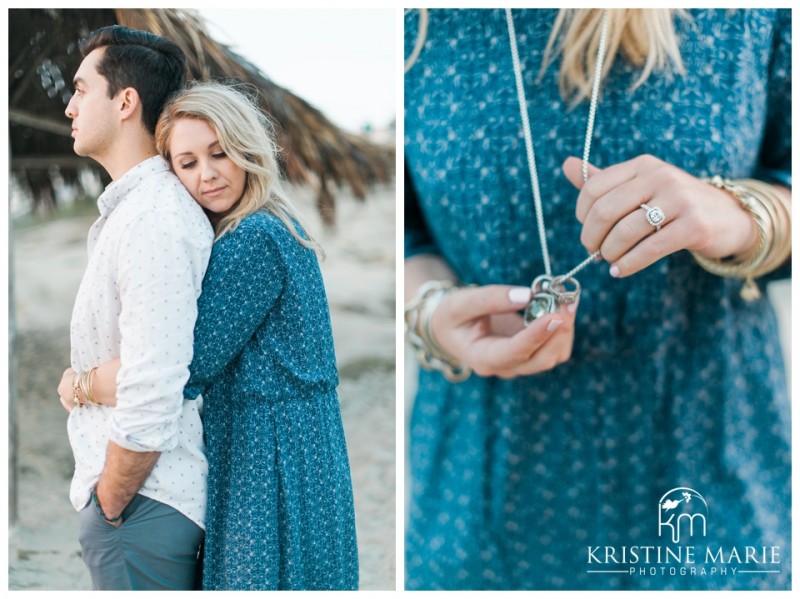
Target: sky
<point>342,61</point>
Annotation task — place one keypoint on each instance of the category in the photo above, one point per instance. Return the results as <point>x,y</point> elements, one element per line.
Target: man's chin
<point>80,149</point>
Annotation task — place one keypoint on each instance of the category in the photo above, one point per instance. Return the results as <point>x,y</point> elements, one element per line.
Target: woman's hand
<point>698,216</point>
<point>481,327</point>
<point>104,386</point>
<point>65,390</point>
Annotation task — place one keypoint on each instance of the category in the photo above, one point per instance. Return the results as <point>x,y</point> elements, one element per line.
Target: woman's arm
<point>244,279</point>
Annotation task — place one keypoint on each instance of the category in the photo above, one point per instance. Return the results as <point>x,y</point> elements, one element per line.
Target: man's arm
<point>123,475</point>
<point>158,276</point>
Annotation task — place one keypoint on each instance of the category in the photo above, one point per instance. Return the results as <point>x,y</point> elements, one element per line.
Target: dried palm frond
<point>314,150</point>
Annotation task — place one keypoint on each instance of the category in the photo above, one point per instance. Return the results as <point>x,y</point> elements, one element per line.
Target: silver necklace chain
<point>526,128</point>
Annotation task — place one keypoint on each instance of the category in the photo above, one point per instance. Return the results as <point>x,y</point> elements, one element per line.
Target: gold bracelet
<point>76,387</point>
<point>773,246</point>
<point>86,382</point>
<point>418,313</point>
<point>782,226</point>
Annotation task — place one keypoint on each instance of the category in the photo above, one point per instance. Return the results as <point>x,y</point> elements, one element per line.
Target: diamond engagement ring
<point>655,216</point>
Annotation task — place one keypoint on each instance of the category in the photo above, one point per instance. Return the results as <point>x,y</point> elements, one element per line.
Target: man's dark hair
<point>151,65</point>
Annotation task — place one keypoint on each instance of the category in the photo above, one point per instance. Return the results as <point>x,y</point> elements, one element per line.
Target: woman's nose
<point>208,172</point>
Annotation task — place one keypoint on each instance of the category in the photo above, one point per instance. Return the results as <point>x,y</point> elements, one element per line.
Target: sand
<point>359,272</point>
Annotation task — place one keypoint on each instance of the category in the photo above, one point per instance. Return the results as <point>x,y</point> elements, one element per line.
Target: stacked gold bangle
<point>772,219</point>
<point>418,313</point>
<point>82,385</point>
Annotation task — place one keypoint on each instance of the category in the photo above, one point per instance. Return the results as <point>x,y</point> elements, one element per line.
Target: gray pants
<point>156,547</point>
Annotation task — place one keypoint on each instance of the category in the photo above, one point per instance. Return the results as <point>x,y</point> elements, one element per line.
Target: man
<point>140,469</point>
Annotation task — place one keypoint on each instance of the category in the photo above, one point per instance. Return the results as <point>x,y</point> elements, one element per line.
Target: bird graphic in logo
<point>680,514</point>
<point>670,504</point>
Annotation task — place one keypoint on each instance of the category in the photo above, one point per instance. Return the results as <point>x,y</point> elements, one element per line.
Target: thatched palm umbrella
<point>44,55</point>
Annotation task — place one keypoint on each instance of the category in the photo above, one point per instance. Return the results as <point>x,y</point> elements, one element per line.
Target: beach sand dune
<point>359,272</point>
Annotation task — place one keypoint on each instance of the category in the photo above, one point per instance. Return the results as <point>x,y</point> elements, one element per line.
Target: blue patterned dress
<point>280,500</point>
<point>674,381</point>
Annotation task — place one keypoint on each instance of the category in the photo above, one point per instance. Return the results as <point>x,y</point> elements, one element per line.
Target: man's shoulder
<point>161,191</point>
<point>161,198</point>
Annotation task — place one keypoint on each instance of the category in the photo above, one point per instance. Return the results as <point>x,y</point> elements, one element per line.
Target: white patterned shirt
<point>148,253</point>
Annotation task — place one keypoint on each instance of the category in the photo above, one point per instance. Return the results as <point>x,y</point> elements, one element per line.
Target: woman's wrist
<point>771,217</point>
<point>82,388</point>
<point>418,314</point>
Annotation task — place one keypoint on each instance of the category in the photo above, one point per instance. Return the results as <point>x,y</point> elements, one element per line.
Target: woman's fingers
<point>68,405</point>
<point>632,229</point>
<point>609,211</point>
<point>573,170</point>
<point>600,182</point>
<point>65,384</point>
<point>555,351</point>
<point>65,389</point>
<point>470,303</point>
<point>497,355</point>
<point>648,251</point>
<point>483,327</point>
<point>466,313</point>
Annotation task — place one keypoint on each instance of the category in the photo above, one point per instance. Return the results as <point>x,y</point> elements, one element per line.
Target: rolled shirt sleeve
<point>156,266</point>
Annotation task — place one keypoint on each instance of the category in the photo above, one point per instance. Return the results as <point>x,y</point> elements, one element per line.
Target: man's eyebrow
<point>77,80</point>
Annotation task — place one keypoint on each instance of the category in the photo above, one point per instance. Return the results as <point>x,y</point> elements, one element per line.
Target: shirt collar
<point>118,190</point>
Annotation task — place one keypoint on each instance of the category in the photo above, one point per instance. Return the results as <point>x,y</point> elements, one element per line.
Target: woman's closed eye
<point>190,164</point>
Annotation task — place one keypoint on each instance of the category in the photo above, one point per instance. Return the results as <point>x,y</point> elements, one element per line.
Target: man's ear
<point>130,104</point>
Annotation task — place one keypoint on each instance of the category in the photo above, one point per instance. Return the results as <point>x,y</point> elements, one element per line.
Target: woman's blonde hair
<point>644,36</point>
<point>245,134</point>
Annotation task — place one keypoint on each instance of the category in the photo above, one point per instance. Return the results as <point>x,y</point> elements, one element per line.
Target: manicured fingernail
<point>614,271</point>
<point>573,307</point>
<point>520,295</point>
<point>554,324</point>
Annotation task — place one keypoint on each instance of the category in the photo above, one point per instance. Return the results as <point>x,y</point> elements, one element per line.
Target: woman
<point>541,454</point>
<point>280,505</point>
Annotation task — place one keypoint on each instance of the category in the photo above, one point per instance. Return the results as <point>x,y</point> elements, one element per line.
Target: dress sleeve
<point>245,277</point>
<point>417,237</point>
<point>775,160</point>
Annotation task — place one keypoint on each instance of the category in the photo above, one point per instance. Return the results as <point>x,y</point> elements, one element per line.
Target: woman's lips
<point>213,192</point>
